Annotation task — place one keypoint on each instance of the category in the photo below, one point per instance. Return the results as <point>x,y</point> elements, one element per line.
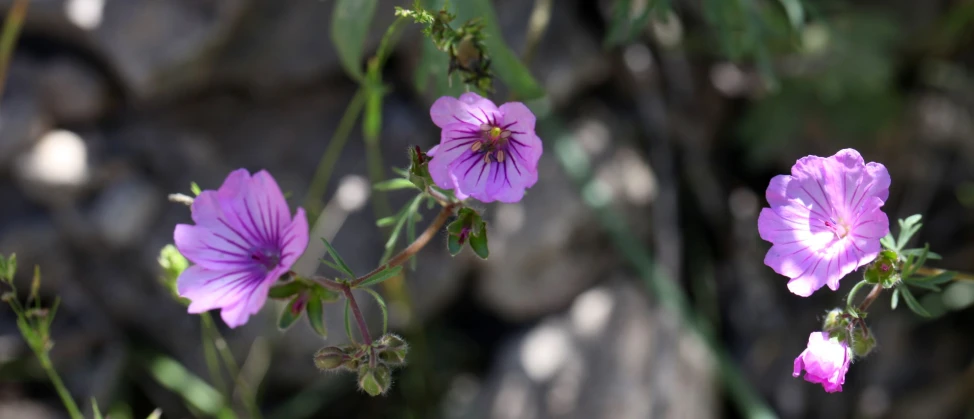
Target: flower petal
<point>508,180</point>
<point>527,147</point>
<point>209,289</point>
<point>294,239</point>
<point>471,174</point>
<point>238,313</point>
<point>809,176</point>
<point>518,118</point>
<point>213,247</point>
<point>873,224</point>
<point>777,193</point>
<point>454,141</point>
<point>447,110</point>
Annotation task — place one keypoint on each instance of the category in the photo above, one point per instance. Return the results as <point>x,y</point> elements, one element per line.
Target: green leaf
<point>316,317</point>
<point>795,12</point>
<point>385,310</point>
<point>349,26</point>
<point>912,302</point>
<point>917,252</point>
<point>387,221</point>
<point>394,184</point>
<point>195,188</point>
<point>95,410</point>
<point>285,290</point>
<point>895,299</point>
<point>196,392</point>
<point>923,285</point>
<point>888,242</point>
<point>908,228</point>
<point>941,278</point>
<point>287,316</point>
<point>479,245</point>
<point>413,206</point>
<point>912,220</point>
<point>505,62</point>
<point>620,22</point>
<point>380,277</point>
<point>342,266</point>
<point>411,219</point>
<point>453,245</point>
<point>324,294</point>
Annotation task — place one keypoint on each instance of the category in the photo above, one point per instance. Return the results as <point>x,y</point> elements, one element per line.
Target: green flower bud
<point>863,342</point>
<point>374,381</point>
<point>835,320</point>
<point>329,358</point>
<point>392,349</point>
<point>883,270</point>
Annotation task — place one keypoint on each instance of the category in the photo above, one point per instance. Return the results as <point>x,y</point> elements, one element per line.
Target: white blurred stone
<point>57,162</point>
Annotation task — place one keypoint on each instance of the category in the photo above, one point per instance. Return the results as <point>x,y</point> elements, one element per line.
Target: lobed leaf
<point>316,317</point>
<point>380,277</point>
<point>912,302</point>
<point>341,265</point>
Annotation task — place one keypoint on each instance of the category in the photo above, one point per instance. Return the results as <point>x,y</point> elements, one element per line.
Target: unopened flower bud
<point>834,320</point>
<point>7,297</point>
<point>329,358</point>
<point>883,270</point>
<point>374,381</point>
<point>392,350</point>
<point>863,342</point>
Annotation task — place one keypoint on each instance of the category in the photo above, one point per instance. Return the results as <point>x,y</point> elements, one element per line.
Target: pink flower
<point>825,362</point>
<point>825,220</point>
<point>486,152</point>
<point>243,241</point>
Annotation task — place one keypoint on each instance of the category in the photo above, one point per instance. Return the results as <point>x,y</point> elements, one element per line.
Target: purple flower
<point>486,152</point>
<point>825,362</point>
<point>825,220</point>
<point>243,241</point>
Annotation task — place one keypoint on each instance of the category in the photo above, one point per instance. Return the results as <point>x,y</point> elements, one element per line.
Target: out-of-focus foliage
<point>839,87</point>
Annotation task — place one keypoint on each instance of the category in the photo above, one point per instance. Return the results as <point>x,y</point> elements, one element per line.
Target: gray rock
<point>124,211</point>
<point>611,355</point>
<point>284,44</point>
<point>72,92</point>
<point>154,48</point>
<point>22,116</point>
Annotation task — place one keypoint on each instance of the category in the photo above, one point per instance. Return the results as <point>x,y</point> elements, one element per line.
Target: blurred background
<point>663,122</point>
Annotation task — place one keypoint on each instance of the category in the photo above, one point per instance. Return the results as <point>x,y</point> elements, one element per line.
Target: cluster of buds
<point>464,45</point>
<point>373,363</point>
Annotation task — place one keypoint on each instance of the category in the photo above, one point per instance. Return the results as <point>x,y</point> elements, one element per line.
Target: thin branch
<point>363,328</point>
<point>878,289</point>
<point>413,248</point>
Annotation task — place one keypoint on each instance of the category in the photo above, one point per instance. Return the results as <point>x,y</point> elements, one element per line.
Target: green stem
<point>849,301</point>
<point>62,391</point>
<point>319,181</point>
<point>213,360</point>
<point>8,40</point>
<point>878,289</point>
<point>247,396</point>
<point>363,327</point>
<point>413,247</point>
